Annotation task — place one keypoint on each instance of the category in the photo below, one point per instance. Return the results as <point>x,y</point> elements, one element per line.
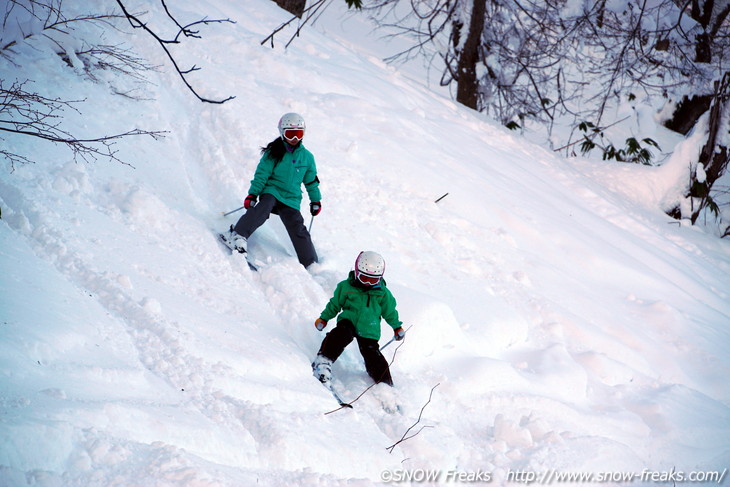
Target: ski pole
<point>392,340</point>
<point>233,211</point>
<point>310,224</point>
<point>389,342</point>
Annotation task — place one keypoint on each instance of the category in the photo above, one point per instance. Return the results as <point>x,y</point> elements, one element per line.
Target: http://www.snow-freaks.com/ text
<point>549,476</point>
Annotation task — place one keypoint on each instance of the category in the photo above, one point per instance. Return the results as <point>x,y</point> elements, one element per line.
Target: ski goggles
<point>367,279</point>
<point>294,134</point>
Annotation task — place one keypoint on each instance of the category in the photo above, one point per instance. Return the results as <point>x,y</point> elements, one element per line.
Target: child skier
<point>363,299</point>
<point>284,166</point>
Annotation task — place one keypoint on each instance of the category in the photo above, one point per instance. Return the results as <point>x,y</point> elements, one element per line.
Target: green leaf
<point>584,126</point>
<point>713,206</point>
<point>587,146</point>
<point>632,145</point>
<point>610,152</point>
<point>651,142</point>
<point>699,190</point>
<point>644,157</point>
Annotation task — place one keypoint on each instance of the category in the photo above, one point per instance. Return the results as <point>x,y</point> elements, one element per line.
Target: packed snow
<point>560,322</point>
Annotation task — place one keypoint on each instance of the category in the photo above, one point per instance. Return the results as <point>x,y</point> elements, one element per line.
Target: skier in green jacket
<point>276,187</point>
<point>361,301</point>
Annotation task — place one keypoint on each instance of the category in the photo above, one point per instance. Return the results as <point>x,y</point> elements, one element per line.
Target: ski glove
<point>400,333</point>
<point>319,323</point>
<point>315,208</point>
<point>250,201</point>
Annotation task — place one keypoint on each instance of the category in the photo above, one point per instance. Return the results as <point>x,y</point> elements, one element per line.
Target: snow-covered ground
<point>561,323</point>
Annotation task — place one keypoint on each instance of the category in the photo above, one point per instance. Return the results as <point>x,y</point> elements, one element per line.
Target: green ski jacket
<point>284,179</point>
<point>364,307</point>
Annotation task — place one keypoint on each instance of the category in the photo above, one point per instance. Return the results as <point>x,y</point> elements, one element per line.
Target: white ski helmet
<point>369,267</point>
<point>292,127</point>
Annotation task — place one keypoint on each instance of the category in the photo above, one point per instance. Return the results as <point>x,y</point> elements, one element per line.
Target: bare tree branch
<point>27,113</point>
<point>136,23</point>
<point>310,11</point>
<point>49,15</point>
<point>420,415</point>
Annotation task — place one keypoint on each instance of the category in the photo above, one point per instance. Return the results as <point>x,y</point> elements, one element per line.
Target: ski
<point>222,240</point>
<point>328,385</point>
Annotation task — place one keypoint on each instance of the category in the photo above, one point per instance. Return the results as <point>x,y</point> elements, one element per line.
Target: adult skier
<point>361,301</point>
<point>285,166</point>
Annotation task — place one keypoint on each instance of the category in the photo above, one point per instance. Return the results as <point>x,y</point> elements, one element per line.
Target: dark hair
<point>275,149</point>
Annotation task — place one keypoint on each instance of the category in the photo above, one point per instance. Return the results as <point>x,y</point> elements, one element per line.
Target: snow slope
<point>557,326</point>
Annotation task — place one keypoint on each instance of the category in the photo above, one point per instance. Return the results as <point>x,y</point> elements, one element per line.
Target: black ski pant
<point>335,342</point>
<point>290,217</point>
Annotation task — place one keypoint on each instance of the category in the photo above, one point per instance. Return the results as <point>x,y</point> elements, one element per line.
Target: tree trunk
<point>467,91</point>
<point>688,111</point>
<point>294,7</point>
<point>710,14</point>
<point>714,156</point>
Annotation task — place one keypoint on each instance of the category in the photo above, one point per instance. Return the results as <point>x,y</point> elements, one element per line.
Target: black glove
<point>315,207</point>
